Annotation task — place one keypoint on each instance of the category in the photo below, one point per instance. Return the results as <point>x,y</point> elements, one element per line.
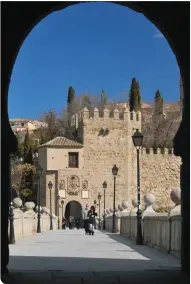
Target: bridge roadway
<point>70,256</point>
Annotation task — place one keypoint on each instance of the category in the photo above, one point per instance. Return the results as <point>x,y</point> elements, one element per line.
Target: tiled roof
<point>62,142</point>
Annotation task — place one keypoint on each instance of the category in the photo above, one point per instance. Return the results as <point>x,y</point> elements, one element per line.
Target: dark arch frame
<point>171,18</point>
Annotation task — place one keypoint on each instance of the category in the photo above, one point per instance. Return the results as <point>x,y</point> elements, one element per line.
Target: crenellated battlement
<point>126,115</point>
<point>160,151</point>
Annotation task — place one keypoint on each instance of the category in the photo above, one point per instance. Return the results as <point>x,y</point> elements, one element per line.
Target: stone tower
<point>108,141</point>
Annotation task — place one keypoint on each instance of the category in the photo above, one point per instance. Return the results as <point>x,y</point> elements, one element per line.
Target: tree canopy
<point>134,96</point>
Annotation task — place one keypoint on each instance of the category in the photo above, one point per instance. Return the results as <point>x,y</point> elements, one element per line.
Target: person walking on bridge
<point>86,219</point>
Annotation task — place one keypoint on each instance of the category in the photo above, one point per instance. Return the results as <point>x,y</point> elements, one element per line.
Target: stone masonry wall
<point>107,141</point>
<point>159,174</point>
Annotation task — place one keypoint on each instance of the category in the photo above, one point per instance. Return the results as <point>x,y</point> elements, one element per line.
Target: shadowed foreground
<point>73,257</point>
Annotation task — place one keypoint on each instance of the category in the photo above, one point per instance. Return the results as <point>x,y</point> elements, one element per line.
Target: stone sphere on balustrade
<point>54,216</point>
<point>116,209</point>
<point>111,210</point>
<point>29,206</point>
<point>17,202</point>
<point>36,209</point>
<point>45,210</point>
<point>149,199</point>
<point>175,196</point>
<point>120,207</point>
<point>125,204</point>
<point>32,204</point>
<point>154,206</point>
<point>134,202</point>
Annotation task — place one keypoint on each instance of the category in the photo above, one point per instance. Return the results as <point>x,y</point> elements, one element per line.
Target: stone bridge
<point>70,256</point>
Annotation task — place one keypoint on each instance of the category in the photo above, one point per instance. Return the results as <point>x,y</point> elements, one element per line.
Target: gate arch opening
<point>74,209</point>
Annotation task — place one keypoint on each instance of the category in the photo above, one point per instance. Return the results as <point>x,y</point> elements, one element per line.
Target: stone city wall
<point>160,173</point>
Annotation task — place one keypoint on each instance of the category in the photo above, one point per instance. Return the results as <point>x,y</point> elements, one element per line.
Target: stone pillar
<point>116,114</point>
<point>126,114</point>
<point>86,113</point>
<point>105,113</point>
<point>96,113</point>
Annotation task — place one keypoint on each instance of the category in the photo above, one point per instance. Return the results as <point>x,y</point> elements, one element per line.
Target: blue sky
<point>91,46</point>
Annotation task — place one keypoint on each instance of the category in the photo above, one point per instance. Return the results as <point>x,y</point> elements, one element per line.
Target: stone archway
<point>173,23</point>
<point>74,209</point>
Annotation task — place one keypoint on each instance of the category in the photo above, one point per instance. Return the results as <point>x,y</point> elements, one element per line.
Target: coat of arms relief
<point>62,185</point>
<point>85,185</point>
<point>73,185</point>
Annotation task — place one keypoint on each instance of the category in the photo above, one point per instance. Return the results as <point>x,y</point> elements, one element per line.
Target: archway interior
<point>73,209</point>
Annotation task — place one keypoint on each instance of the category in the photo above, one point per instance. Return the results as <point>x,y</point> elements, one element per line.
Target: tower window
<point>73,160</point>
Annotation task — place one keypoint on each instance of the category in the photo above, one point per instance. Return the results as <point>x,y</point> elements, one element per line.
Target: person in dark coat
<point>91,215</point>
<point>63,223</point>
<point>86,219</point>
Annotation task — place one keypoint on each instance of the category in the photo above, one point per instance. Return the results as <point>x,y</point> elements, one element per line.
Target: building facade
<point>78,167</point>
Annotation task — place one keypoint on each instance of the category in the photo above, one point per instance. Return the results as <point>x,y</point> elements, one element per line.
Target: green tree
<point>19,179</point>
<point>134,96</point>
<point>103,98</point>
<point>20,149</point>
<point>158,103</point>
<point>70,101</point>
<point>27,149</point>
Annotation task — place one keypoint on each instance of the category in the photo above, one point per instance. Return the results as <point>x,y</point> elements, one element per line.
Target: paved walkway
<point>72,256</point>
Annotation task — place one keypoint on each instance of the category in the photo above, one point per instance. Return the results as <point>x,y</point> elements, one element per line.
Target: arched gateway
<point>74,209</point>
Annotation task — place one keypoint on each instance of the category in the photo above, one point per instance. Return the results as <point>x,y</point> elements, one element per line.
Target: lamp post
<point>137,141</point>
<point>58,199</point>
<point>104,187</point>
<point>99,198</point>
<point>50,188</point>
<point>114,171</point>
<point>39,172</point>
<point>62,204</point>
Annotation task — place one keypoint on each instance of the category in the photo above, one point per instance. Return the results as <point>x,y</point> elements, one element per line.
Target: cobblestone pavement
<point>70,256</point>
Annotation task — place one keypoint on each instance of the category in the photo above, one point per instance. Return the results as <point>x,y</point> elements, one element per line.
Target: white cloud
<point>158,35</point>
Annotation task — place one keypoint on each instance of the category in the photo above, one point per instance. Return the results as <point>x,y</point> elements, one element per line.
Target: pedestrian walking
<point>91,215</point>
<point>63,223</point>
<point>70,222</point>
<point>86,219</point>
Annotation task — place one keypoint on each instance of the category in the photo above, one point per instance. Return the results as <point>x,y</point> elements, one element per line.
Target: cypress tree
<point>134,96</point>
<point>158,103</point>
<point>86,101</point>
<point>27,145</point>
<point>103,98</point>
<point>28,158</point>
<point>70,101</point>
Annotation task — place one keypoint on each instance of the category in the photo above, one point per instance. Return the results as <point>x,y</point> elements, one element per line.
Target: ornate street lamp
<point>58,199</point>
<point>138,141</point>
<point>104,187</point>
<point>39,172</point>
<point>99,198</point>
<point>114,172</point>
<point>62,204</point>
<point>50,185</point>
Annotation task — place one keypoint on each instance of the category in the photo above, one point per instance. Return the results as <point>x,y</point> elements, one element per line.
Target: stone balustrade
<point>160,230</point>
<point>25,223</point>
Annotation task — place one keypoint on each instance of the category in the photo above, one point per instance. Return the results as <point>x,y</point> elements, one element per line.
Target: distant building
<point>21,124</point>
